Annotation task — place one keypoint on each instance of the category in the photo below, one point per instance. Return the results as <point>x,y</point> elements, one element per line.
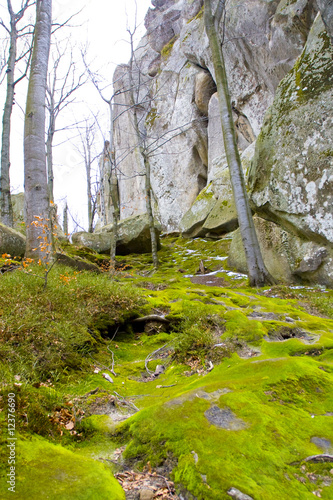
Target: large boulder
<point>193,220</point>
<point>133,237</point>
<point>287,257</point>
<point>18,211</point>
<point>213,212</point>
<point>291,177</point>
<point>11,242</point>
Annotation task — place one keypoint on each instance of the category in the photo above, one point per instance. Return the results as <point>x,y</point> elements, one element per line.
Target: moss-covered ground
<point>245,398</point>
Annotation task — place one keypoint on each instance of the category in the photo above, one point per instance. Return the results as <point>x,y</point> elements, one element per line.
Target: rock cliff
<point>279,64</point>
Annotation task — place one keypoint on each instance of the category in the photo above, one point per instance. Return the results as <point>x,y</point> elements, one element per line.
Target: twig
<point>164,386</point>
<point>165,479</point>
<point>112,367</point>
<point>100,364</point>
<point>150,356</point>
<point>128,403</point>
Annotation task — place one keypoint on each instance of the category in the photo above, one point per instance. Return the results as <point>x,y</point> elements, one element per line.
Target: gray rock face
<point>133,237</point>
<point>282,110</point>
<point>326,11</point>
<point>11,242</point>
<point>291,177</point>
<point>262,41</point>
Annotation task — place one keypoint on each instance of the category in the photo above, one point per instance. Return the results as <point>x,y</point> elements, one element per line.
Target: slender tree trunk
<point>150,212</point>
<point>5,199</point>
<point>89,195</point>
<point>113,187</point>
<point>38,243</point>
<point>258,274</point>
<point>49,157</point>
<point>65,220</point>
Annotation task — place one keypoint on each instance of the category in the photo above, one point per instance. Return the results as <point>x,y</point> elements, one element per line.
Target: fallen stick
<point>325,457</point>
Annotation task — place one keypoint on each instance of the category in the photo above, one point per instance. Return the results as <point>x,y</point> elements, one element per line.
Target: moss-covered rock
<point>11,242</point>
<point>133,236</point>
<point>288,257</point>
<point>291,174</point>
<point>192,222</point>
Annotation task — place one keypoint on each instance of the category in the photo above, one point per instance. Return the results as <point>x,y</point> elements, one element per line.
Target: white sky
<point>102,24</point>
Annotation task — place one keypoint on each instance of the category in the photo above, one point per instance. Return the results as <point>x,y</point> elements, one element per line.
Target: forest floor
<point>180,383</point>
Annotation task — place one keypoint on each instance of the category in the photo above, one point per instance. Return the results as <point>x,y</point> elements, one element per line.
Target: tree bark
<point>5,199</point>
<point>150,211</point>
<point>89,193</point>
<point>65,221</point>
<point>6,208</point>
<point>113,188</point>
<point>38,243</point>
<point>258,274</point>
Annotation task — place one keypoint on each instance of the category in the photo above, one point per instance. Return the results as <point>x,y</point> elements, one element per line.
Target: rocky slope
<point>278,56</point>
<point>173,376</point>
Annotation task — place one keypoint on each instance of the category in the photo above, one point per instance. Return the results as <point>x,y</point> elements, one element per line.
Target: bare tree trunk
<point>6,209</point>
<point>258,274</point>
<point>114,196</point>
<point>49,159</point>
<point>150,211</point>
<point>89,193</point>
<point>35,178</point>
<point>65,220</point>
<point>5,199</point>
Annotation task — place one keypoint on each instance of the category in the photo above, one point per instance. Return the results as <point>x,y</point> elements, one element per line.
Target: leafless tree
<point>108,171</point>
<point>63,81</point>
<point>15,32</point>
<point>87,133</point>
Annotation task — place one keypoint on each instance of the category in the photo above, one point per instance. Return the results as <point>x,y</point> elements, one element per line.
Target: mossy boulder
<point>11,242</point>
<point>192,222</point>
<point>46,470</point>
<point>292,170</point>
<point>76,262</point>
<point>99,242</point>
<point>223,217</point>
<point>288,257</point>
<point>133,237</point>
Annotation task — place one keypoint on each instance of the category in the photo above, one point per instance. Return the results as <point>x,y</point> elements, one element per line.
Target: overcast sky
<point>101,25</point>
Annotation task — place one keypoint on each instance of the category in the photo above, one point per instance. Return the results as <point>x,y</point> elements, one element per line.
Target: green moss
<point>167,49</point>
<point>45,470</point>
<point>283,395</point>
<point>263,396</point>
<point>238,325</point>
<point>151,117</point>
<point>198,16</point>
